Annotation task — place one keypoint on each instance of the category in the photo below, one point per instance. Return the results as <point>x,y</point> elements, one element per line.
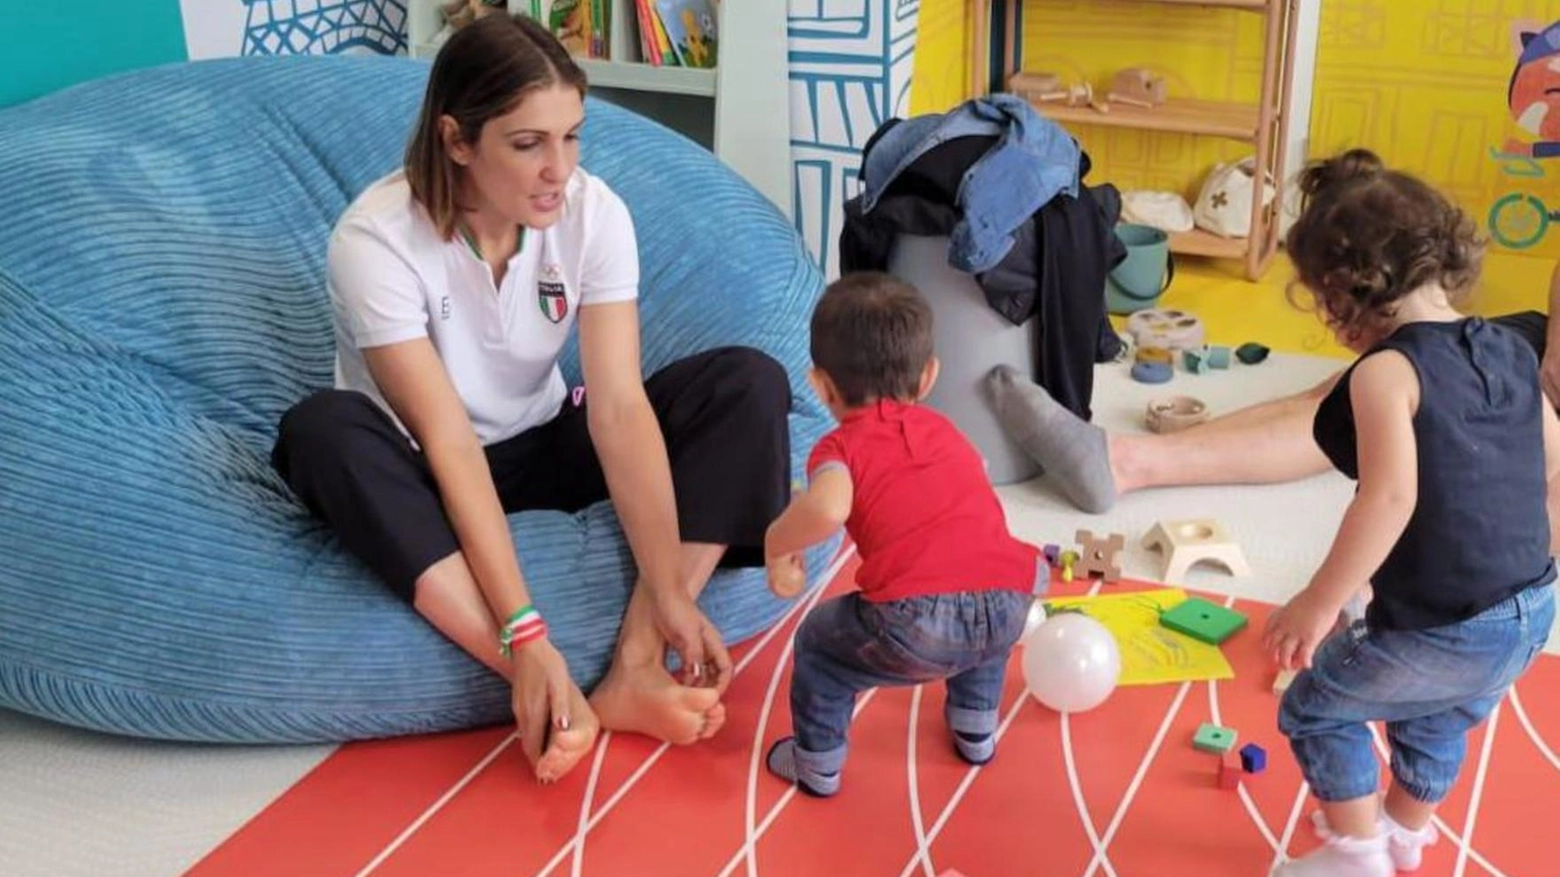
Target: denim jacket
<point>1032,161</point>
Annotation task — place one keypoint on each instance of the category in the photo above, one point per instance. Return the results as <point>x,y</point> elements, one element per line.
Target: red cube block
<point>1229,771</point>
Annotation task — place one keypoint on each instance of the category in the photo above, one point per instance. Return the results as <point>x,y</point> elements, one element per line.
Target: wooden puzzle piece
<point>1282,680</point>
<point>1187,542</point>
<point>1100,556</point>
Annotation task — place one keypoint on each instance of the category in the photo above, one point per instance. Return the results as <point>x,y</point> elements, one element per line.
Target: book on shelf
<point>672,33</point>
<point>583,26</point>
<point>692,29</point>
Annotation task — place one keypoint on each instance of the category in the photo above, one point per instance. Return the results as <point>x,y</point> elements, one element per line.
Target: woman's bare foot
<point>566,748</point>
<point>713,720</point>
<point>645,699</point>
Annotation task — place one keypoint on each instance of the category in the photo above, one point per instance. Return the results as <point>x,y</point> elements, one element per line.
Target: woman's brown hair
<point>1368,236</point>
<point>482,72</point>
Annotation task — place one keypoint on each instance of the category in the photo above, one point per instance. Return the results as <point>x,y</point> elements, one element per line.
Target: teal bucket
<point>1144,275</point>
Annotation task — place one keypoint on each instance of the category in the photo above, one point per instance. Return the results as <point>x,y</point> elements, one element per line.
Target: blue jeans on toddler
<point>1430,687</point>
<point>848,645</point>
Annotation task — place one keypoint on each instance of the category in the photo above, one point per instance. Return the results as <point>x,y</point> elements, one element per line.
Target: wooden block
<point>1282,680</point>
<point>1229,772</point>
<point>1141,85</point>
<point>1167,414</point>
<point>1030,84</point>
<point>1185,543</point>
<point>1202,620</point>
<point>1053,554</point>
<point>1100,556</point>
<point>1214,738</point>
<point>1253,758</point>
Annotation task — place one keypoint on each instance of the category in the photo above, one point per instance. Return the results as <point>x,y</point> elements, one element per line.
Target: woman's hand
<point>705,661</point>
<point>787,575</point>
<point>1297,628</point>
<point>552,718</point>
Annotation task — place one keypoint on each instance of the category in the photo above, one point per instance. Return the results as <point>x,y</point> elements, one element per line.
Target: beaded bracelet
<point>523,626</point>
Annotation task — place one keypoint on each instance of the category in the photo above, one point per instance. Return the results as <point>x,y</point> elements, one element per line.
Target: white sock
<point>1343,857</point>
<point>1407,845</point>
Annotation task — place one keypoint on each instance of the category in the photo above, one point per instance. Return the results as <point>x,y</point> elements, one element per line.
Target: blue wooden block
<point>1253,758</point>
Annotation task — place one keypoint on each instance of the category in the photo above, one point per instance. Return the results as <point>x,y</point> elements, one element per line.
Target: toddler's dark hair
<point>872,335</point>
<point>1367,236</point>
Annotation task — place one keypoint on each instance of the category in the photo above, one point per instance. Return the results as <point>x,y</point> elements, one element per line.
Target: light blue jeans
<point>1430,687</point>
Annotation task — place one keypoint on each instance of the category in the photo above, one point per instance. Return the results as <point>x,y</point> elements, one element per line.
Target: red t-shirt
<point>925,518</point>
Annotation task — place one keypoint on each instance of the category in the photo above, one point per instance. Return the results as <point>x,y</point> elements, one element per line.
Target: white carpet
<point>75,803</point>
<point>1283,529</point>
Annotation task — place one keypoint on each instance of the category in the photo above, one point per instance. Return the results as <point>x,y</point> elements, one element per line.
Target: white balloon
<point>1071,662</point>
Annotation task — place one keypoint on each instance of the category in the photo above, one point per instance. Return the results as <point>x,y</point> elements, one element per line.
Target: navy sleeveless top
<point>1480,529</point>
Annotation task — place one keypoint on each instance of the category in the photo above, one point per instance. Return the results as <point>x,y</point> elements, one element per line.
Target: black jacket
<point>1055,270</point>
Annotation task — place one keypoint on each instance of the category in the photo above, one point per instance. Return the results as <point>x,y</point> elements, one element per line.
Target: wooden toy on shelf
<point>1138,87</point>
<point>1139,100</point>
<point>1047,88</point>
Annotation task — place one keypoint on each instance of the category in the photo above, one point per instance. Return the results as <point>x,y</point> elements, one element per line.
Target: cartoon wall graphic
<point>1521,219</point>
<point>1431,87</point>
<point>1534,93</point>
<point>850,72</point>
<point>223,28</point>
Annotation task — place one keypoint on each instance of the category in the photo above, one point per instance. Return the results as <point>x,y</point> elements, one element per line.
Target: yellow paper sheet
<point>1150,653</point>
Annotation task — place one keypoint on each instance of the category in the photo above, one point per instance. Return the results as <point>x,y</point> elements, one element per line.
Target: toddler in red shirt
<point>944,588</point>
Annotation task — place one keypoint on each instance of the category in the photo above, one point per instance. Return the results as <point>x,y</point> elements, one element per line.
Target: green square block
<point>1213,738</point>
<point>1201,620</point>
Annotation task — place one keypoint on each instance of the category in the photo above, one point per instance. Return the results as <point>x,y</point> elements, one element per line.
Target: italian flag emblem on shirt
<point>550,295</point>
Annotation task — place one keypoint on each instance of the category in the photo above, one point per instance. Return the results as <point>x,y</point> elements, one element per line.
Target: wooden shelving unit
<point>1261,124</point>
<point>729,110</point>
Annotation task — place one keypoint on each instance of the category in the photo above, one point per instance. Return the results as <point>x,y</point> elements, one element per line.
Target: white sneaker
<point>1405,845</point>
<point>1342,857</point>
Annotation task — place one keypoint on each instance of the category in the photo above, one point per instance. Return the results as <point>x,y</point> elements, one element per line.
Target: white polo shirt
<point>392,279</point>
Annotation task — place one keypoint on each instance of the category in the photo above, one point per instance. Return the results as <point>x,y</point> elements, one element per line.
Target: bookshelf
<point>1261,123</point>
<point>729,110</point>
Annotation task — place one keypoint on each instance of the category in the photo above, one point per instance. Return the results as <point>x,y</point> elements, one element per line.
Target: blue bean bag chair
<point>162,302</point>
